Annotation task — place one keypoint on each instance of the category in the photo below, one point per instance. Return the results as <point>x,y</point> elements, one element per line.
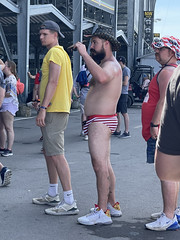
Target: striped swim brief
<point>110,121</point>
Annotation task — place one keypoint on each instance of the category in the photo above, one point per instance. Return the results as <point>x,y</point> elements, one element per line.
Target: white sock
<point>68,197</point>
<point>53,190</point>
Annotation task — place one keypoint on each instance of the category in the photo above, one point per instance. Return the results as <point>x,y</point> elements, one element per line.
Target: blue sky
<point>169,13</point>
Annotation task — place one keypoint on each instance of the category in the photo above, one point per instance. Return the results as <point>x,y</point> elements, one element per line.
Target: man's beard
<point>98,56</point>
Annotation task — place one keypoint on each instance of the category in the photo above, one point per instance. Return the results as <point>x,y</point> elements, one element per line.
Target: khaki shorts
<point>53,133</point>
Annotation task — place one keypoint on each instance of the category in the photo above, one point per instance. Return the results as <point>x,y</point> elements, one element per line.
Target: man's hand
<point>154,132</point>
<point>81,48</point>
<point>40,119</point>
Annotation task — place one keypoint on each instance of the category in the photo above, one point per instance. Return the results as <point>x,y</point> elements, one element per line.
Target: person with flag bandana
<point>167,52</point>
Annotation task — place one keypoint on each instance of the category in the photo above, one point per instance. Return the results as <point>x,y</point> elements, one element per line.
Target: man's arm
<point>102,73</point>
<point>31,76</point>
<point>54,72</point>
<point>163,80</point>
<point>126,80</point>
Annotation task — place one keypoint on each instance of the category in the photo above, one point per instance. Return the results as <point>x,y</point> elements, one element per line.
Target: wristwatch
<point>154,125</point>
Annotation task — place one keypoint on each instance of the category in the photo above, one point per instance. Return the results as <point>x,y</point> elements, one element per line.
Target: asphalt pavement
<point>137,187</point>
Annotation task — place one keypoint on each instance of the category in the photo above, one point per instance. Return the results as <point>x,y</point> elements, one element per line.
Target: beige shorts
<point>53,133</point>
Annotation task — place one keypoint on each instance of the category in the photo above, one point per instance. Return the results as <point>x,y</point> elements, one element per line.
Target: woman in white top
<point>8,109</point>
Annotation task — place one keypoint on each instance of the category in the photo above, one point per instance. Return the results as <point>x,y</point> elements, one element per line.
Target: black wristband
<point>43,107</point>
<point>154,125</point>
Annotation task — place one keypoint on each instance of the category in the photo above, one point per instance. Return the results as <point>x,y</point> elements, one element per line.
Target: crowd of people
<point>103,97</point>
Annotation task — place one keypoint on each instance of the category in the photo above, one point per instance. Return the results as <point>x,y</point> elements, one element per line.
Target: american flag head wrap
<point>170,42</point>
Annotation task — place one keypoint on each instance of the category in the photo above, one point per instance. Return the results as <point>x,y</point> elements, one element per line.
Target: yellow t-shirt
<point>61,101</point>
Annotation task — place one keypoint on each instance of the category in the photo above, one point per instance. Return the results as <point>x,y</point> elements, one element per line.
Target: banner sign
<point>157,35</point>
<point>148,26</point>
<point>105,5</point>
<point>148,14</point>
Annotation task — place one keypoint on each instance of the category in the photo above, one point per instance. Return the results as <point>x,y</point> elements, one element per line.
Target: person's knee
<point>124,114</point>
<point>99,168</point>
<point>9,128</point>
<point>59,158</point>
<point>159,174</point>
<point>161,171</point>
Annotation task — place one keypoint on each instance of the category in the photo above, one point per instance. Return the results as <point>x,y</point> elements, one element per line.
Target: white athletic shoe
<point>157,215</point>
<point>85,138</point>
<point>63,209</point>
<point>46,200</point>
<point>163,224</point>
<point>115,210</point>
<point>96,217</point>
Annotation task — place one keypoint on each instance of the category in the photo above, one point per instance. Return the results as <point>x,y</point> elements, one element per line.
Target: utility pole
<point>130,33</point>
<point>141,28</point>
<point>77,33</point>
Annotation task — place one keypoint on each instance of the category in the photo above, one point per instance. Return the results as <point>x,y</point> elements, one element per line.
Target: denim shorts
<point>151,147</point>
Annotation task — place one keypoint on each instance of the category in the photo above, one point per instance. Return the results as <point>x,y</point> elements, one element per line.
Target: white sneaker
<point>46,200</point>
<point>115,210</point>
<point>63,209</point>
<point>85,138</point>
<point>163,224</point>
<point>96,217</point>
<point>157,215</point>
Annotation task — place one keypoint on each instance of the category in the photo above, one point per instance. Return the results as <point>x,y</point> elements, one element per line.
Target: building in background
<point>20,21</point>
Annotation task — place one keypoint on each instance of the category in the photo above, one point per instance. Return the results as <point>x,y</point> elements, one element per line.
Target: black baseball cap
<point>51,25</point>
<point>121,59</point>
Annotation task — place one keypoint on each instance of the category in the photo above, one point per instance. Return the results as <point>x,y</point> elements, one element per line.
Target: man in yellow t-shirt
<point>55,102</point>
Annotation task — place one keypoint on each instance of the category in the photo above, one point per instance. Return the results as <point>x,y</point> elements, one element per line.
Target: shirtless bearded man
<point>100,107</point>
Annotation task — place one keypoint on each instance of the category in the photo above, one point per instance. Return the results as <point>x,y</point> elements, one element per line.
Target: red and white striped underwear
<point>110,121</point>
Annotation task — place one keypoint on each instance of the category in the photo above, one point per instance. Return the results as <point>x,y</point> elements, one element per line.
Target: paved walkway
<point>137,187</point>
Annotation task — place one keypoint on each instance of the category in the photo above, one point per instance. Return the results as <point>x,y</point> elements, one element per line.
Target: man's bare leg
<point>126,121</point>
<point>58,166</point>
<point>168,167</point>
<point>169,194</point>
<point>111,196</point>
<point>168,170</point>
<point>119,123</point>
<point>112,181</point>
<point>99,147</point>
